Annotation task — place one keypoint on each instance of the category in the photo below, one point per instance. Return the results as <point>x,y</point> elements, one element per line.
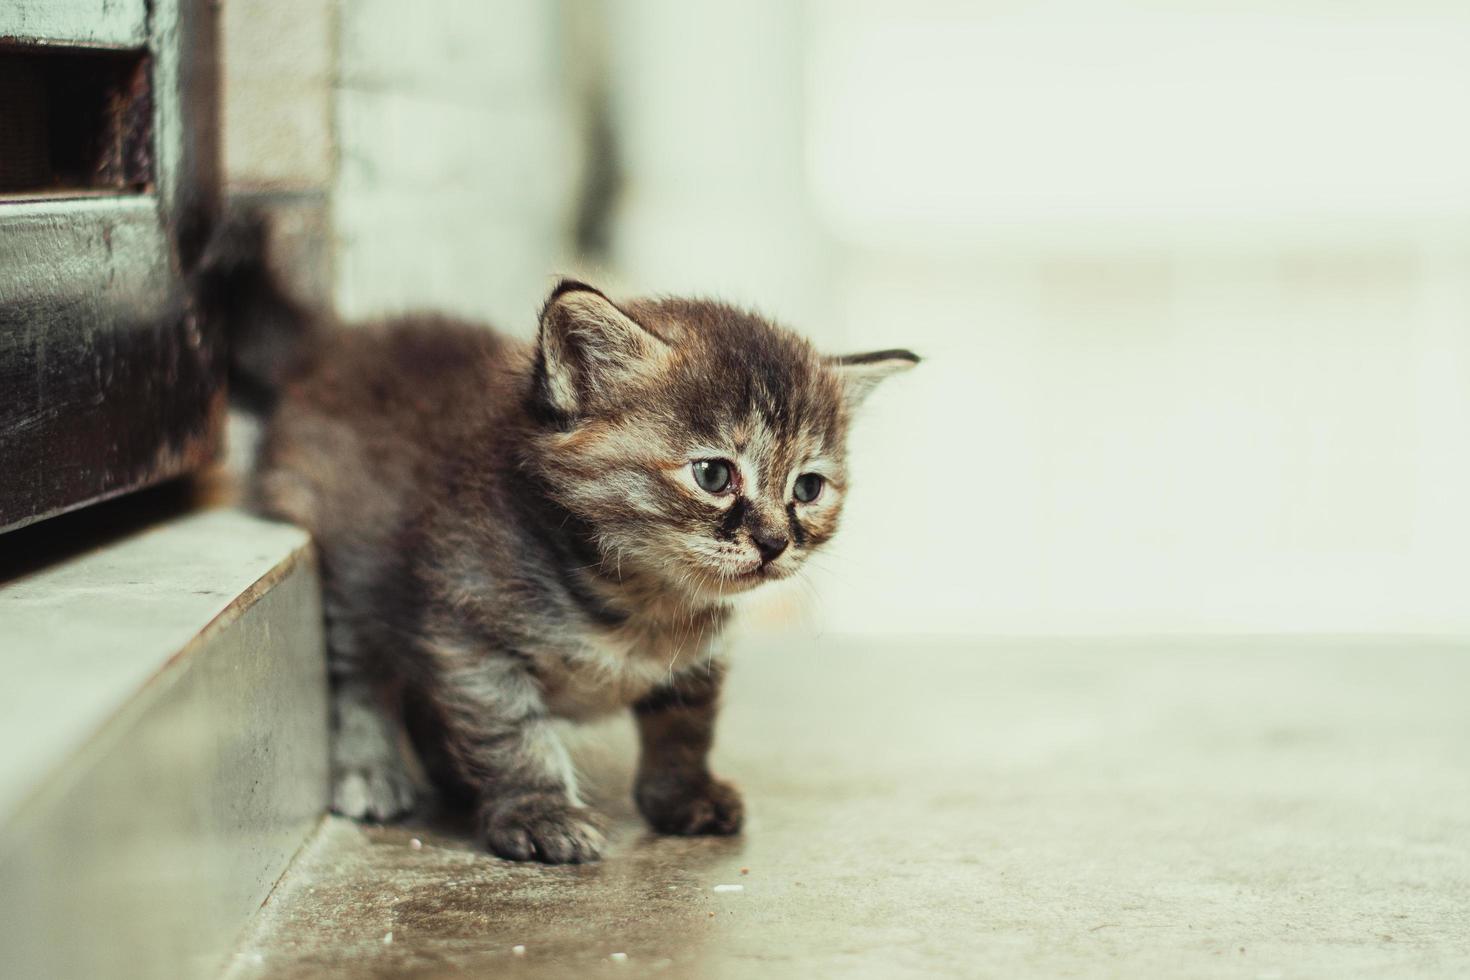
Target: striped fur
<point>511,533</point>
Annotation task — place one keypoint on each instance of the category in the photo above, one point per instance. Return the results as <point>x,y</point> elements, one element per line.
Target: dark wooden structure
<point>109,380</point>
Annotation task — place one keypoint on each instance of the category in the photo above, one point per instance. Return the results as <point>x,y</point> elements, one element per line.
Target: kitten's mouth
<point>725,579</point>
<point>765,572</point>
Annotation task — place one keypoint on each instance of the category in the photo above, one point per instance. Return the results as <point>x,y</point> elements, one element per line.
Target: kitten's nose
<point>769,545</point>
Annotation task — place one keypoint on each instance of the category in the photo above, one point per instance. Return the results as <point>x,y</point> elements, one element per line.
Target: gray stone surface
<point>408,161</point>
<point>278,70</point>
<point>88,634</point>
<point>1234,809</point>
<point>457,159</point>
<point>164,719</point>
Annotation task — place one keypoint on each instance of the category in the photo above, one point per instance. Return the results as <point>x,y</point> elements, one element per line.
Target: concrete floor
<point>1247,809</point>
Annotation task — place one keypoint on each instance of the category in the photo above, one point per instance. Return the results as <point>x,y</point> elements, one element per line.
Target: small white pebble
<point>416,844</point>
<point>388,939</point>
<point>518,950</point>
<point>619,957</point>
<point>729,888</point>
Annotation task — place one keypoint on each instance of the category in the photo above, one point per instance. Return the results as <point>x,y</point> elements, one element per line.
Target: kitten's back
<point>358,433</point>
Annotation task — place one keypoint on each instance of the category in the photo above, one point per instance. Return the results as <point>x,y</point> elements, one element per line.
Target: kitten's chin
<point>708,583</point>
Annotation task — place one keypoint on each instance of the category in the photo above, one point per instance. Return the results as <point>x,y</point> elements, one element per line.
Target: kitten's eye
<point>713,475</point>
<point>808,487</point>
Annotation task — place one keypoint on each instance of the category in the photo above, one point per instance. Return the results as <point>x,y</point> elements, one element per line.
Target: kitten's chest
<point>603,671</point>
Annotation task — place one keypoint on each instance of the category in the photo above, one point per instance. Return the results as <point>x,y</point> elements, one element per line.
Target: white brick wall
<point>414,158</point>
<point>277,71</point>
<point>458,158</point>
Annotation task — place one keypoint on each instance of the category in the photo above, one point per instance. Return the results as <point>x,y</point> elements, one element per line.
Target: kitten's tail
<point>268,333</point>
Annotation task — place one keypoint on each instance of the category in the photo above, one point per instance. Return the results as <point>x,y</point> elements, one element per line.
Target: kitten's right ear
<point>587,348</point>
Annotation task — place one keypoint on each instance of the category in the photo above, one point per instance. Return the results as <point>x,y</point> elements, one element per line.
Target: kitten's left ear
<point>588,348</point>
<point>860,373</point>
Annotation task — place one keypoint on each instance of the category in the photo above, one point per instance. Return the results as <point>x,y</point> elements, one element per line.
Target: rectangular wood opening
<point>74,121</point>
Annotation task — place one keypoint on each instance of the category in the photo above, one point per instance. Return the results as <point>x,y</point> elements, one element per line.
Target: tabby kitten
<point>513,532</point>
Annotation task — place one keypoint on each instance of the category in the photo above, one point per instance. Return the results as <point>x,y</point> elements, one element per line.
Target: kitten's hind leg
<point>369,778</point>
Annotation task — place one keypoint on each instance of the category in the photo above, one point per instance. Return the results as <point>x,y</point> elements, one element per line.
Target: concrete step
<point>165,723</point>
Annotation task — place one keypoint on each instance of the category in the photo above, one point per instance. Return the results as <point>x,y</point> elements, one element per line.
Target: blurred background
<point>1192,280</point>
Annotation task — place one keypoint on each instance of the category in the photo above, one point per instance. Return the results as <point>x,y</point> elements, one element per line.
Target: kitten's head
<point>704,445</point>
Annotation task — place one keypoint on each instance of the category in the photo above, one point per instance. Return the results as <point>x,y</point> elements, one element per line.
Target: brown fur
<point>510,532</point>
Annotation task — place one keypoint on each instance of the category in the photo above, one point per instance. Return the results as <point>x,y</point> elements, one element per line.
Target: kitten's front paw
<point>541,827</point>
<point>379,792</point>
<point>709,806</point>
